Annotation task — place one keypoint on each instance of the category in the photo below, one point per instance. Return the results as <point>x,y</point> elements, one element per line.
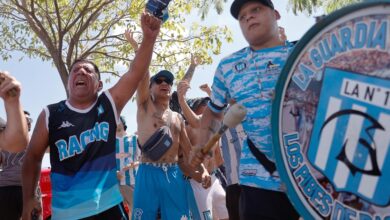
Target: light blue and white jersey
<point>231,142</point>
<point>249,77</point>
<point>126,153</point>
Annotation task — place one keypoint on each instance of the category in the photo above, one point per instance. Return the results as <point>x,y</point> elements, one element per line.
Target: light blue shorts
<point>160,186</point>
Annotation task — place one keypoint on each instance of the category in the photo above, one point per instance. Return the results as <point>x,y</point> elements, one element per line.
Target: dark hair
<point>122,118</point>
<point>82,60</point>
<point>26,113</point>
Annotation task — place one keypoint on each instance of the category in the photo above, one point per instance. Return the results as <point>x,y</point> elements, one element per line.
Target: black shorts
<point>232,201</point>
<point>256,203</point>
<point>115,213</point>
<point>11,202</point>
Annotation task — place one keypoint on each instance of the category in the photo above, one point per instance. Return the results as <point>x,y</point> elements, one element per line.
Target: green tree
<point>310,5</point>
<point>206,4</point>
<point>64,30</point>
<point>307,6</point>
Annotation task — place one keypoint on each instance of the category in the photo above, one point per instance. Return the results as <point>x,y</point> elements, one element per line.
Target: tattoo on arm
<point>189,73</point>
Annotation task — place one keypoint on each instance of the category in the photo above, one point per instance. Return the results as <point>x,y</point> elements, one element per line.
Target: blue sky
<point>41,83</point>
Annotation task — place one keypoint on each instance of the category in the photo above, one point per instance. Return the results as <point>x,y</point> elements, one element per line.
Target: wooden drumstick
<point>232,118</point>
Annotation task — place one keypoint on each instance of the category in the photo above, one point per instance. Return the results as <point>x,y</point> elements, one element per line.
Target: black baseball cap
<point>163,73</point>
<point>197,102</point>
<point>237,5</point>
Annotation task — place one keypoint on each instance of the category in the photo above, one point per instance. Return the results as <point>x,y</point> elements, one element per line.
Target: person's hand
<point>206,179</point>
<point>205,88</point>
<point>150,26</point>
<point>195,60</point>
<point>119,175</point>
<point>132,165</point>
<point>282,34</point>
<point>32,209</point>
<point>130,38</point>
<point>9,86</point>
<point>196,157</point>
<point>182,88</point>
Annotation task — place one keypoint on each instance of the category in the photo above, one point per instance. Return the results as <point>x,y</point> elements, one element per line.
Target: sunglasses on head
<point>158,81</point>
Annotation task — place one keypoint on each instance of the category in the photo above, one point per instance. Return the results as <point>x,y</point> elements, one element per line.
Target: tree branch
<point>79,16</point>
<point>105,37</point>
<point>83,27</point>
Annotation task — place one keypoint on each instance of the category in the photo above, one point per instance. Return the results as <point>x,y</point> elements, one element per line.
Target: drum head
<point>331,116</point>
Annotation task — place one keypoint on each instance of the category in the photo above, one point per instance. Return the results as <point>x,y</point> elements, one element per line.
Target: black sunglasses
<point>158,81</point>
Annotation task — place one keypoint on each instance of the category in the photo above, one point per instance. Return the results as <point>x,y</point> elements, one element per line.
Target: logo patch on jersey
<point>272,68</point>
<point>271,65</point>
<point>65,124</point>
<point>351,139</point>
<point>240,66</point>
<point>61,107</point>
<point>249,172</point>
<point>100,110</point>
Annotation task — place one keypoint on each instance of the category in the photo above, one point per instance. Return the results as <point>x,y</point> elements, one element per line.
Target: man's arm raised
<point>129,82</point>
<point>32,166</point>
<point>195,61</point>
<point>14,137</point>
<point>142,89</point>
<point>192,119</point>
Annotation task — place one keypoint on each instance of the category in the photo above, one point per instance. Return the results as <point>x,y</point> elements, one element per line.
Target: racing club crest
<point>350,140</point>
<point>240,66</point>
<point>331,116</point>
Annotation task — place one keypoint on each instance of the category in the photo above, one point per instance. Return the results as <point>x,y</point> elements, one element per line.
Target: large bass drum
<point>331,116</point>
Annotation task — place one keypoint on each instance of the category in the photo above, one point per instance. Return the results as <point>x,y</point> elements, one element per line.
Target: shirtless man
<point>210,201</point>
<point>160,184</point>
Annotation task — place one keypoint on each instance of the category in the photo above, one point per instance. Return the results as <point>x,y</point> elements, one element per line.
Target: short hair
<point>122,118</point>
<point>26,113</point>
<point>83,60</point>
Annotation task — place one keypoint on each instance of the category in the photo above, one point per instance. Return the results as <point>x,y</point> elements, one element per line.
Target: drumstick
<point>232,118</point>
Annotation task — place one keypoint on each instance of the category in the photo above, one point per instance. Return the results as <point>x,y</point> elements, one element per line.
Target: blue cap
<point>163,73</point>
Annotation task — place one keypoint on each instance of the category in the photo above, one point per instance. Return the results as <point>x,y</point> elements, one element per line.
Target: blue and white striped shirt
<point>126,153</point>
<point>231,142</point>
<point>249,78</point>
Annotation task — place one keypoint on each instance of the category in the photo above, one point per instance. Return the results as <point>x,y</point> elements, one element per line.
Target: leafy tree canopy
<point>64,30</point>
<point>310,6</point>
